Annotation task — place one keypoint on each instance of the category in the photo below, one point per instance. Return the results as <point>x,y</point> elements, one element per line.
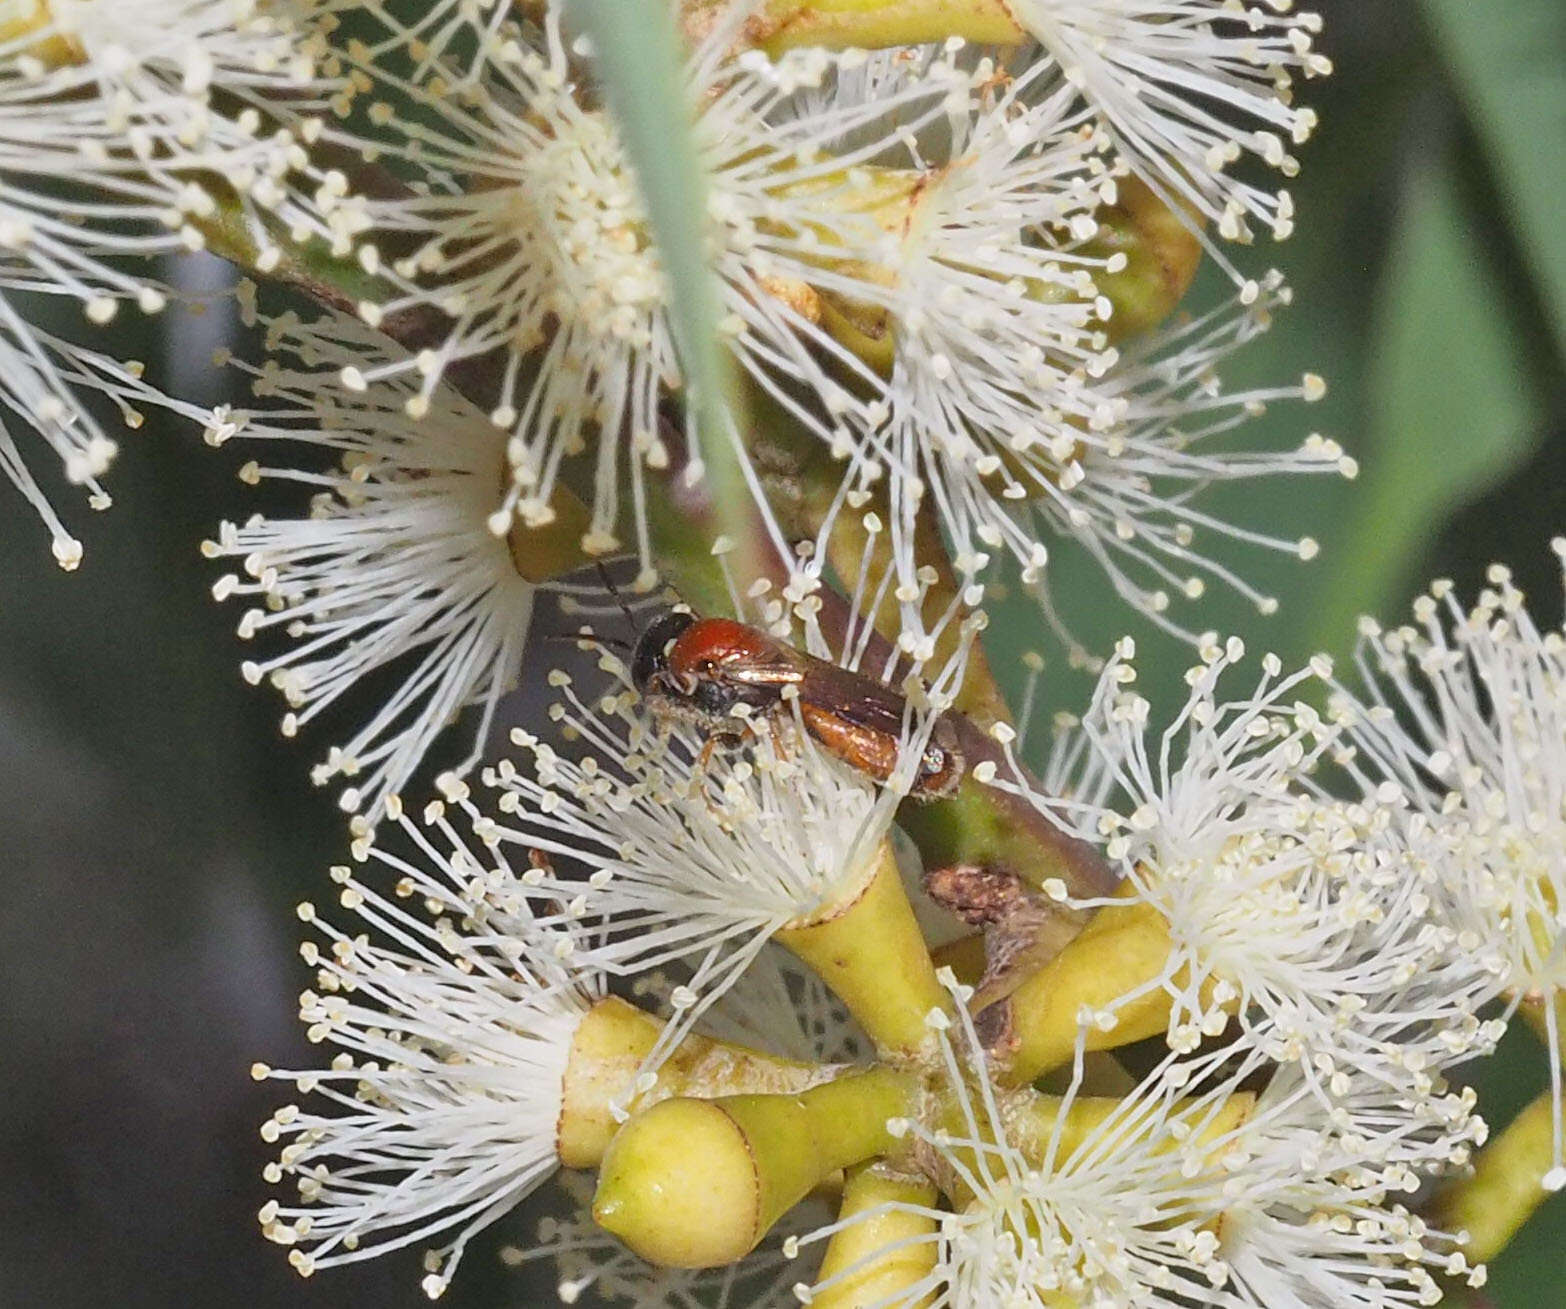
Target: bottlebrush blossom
<point>439,1110</point>
<point>109,145</point>
<point>1460,718</point>
<point>983,309</point>
<point>777,1006</point>
<point>691,856</point>
<point>1003,406</point>
<point>117,101</point>
<point>1007,408</point>
<point>1314,1210</point>
<point>1190,1189</point>
<point>1189,88</point>
<point>395,565</point>
<point>466,1013</point>
<point>692,864</point>
<point>1300,915</point>
<point>530,232</point>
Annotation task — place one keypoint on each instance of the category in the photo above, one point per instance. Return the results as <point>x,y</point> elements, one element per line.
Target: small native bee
<point>702,668</point>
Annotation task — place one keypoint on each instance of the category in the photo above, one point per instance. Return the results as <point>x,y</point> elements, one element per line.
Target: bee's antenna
<point>609,586</point>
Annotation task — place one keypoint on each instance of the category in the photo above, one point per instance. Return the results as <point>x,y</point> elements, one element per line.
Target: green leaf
<point>1449,413</point>
<point>1509,62</point>
<point>641,64</point>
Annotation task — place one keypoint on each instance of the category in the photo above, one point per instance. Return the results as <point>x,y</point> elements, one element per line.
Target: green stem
<point>259,244</point>
<point>684,523</point>
<point>1506,1187</point>
<point>640,63</point>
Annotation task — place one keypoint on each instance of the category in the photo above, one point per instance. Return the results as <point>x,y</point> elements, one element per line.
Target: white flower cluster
<point>124,130</point>
<point>1320,988</point>
<point>452,1005</point>
<point>1460,726</point>
<point>451,1025</point>
<point>395,565</point>
<point>1302,915</point>
<point>914,264</point>
<point>916,268</point>
<point>632,853</point>
<point>697,856</point>
<point>526,227</point>
<point>1316,997</point>
<point>1193,1187</point>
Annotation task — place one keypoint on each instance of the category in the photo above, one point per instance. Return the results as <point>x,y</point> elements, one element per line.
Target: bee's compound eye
<point>652,650</point>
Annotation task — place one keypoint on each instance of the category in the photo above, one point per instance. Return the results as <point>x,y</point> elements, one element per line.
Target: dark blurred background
<point>156,831</point>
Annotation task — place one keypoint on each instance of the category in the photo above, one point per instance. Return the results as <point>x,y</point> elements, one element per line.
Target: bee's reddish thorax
<point>717,641</point>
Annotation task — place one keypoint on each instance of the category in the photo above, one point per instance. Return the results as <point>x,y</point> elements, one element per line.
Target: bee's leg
<point>727,738</point>
<point>703,762</point>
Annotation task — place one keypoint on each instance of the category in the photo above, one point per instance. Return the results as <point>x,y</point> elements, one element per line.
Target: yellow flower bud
<point>698,1183</point>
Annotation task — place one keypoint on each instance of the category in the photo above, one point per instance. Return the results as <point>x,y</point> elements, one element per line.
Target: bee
<point>702,669</point>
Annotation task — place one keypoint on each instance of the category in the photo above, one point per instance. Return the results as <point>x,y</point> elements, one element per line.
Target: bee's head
<point>650,662</point>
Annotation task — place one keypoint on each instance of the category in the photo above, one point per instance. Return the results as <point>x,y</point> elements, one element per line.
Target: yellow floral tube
<point>1083,1116</point>
<point>1123,948</point>
<point>886,1244</point>
<point>868,948</point>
